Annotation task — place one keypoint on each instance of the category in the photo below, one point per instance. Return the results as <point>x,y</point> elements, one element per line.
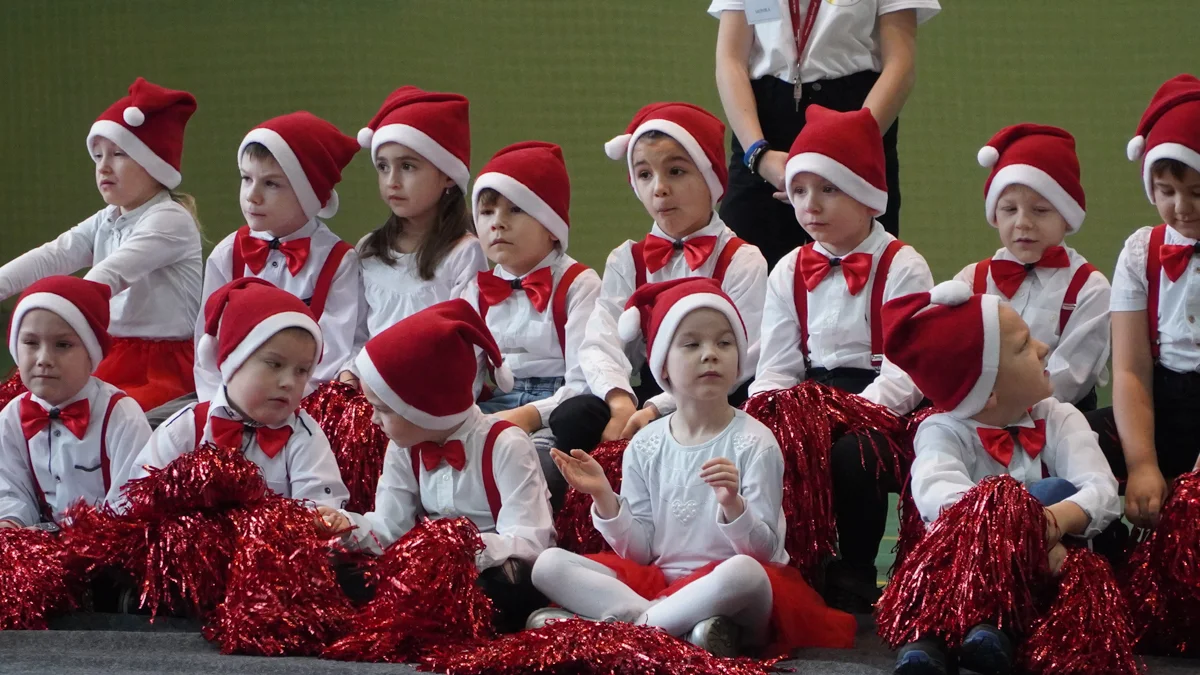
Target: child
<point>1149,435</point>
<point>521,203</point>
<point>699,517</point>
<point>1000,419</point>
<point>59,334</point>
<point>289,166</point>
<point>1034,198</point>
<point>145,245</point>
<point>822,321</point>
<point>425,253</point>
<point>676,167</point>
<point>448,459</point>
<point>265,344</point>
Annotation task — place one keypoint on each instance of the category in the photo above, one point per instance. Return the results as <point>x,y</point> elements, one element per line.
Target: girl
<point>145,245</point>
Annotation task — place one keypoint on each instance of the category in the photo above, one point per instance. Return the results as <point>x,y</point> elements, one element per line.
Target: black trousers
<point>749,208</point>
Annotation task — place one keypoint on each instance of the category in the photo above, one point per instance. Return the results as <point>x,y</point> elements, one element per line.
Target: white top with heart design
<point>670,517</point>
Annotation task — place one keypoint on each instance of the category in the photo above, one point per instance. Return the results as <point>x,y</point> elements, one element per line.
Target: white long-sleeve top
<point>150,258</point>
<point>524,526</point>
<point>304,469</point>
<point>669,517</point>
<point>68,468</point>
<point>951,459</point>
<point>1079,356</point>
<point>608,363</point>
<point>528,339</point>
<point>344,306</point>
<point>839,324</point>
<point>397,291</point>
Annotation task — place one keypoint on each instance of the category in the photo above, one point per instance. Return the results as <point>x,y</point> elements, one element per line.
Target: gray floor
<point>127,644</point>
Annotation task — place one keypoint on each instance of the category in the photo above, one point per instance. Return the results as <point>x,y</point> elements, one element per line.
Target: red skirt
<point>151,372</point>
<point>799,616</point>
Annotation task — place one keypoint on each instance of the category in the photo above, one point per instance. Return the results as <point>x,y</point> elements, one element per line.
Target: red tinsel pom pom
<point>358,444</point>
<point>984,560</point>
<point>282,597</point>
<point>579,647</point>
<point>1087,629</point>
<point>1163,588</point>
<point>206,478</point>
<point>425,595</point>
<point>36,580</point>
<point>12,388</point>
<point>573,523</point>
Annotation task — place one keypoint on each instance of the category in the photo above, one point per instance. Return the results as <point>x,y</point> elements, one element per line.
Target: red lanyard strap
<point>802,35</point>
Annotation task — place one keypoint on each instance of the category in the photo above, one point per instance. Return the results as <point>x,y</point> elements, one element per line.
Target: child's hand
<point>621,407</point>
<point>639,420</point>
<point>1053,533</point>
<point>581,471</point>
<point>347,377</point>
<point>722,476</point>
<point>773,168</point>
<point>331,521</point>
<point>1057,555</point>
<point>1144,495</point>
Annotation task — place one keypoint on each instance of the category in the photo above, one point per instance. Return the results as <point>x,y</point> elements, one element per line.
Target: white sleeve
<point>719,6</point>
<point>939,473</point>
<point>1129,279</point>
<point>128,433</point>
<point>339,322</point>
<point>1082,351</point>
<point>71,251</point>
<point>18,502</point>
<point>1078,459</point>
<point>208,381</point>
<point>781,361</point>
<point>893,387</point>
<point>601,353</point>
<point>581,301</point>
<point>163,237</point>
<point>746,284</point>
<point>170,440</point>
<point>397,505</point>
<point>524,526</point>
<point>926,9</point>
<point>753,533</point>
<point>468,261</point>
<point>631,531</point>
<point>967,275</point>
<point>312,469</point>
<point>362,331</point>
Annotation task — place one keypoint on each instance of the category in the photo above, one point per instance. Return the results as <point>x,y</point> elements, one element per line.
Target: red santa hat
<point>844,148</point>
<point>654,311</point>
<point>312,154</point>
<point>924,332</point>
<point>242,316</point>
<point>1170,128</point>
<point>1039,157</point>
<point>700,133</point>
<point>424,366</point>
<point>435,124</point>
<point>82,304</point>
<point>148,125</point>
<point>532,175</point>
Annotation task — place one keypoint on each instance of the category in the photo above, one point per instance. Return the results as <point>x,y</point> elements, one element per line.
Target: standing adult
<point>777,57</point>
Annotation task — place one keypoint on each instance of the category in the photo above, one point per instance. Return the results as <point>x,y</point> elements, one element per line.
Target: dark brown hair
<point>257,151</point>
<point>1176,168</point>
<point>453,221</point>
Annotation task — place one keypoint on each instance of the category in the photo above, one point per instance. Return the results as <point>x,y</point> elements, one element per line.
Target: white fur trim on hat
<point>684,138</point>
<point>1175,151</point>
<point>1033,177</point>
<point>264,331</point>
<point>840,175</point>
<point>974,401</point>
<point>428,148</point>
<point>67,311</point>
<point>675,315</point>
<point>290,164</point>
<point>529,201</point>
<point>987,156</point>
<point>370,376</point>
<point>156,166</point>
<point>629,325</point>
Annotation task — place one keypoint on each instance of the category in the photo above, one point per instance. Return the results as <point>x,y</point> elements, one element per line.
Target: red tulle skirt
<point>151,372</point>
<point>799,616</point>
<point>12,388</point>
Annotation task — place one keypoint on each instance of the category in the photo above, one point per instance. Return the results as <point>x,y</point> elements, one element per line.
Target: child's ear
<point>448,182</point>
<point>991,402</point>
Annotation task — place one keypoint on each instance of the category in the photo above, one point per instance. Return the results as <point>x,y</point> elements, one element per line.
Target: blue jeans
<point>1050,491</point>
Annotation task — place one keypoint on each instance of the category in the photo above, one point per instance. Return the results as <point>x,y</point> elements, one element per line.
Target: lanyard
<point>802,34</point>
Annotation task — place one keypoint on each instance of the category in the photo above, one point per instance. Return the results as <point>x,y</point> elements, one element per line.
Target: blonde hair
<point>188,203</point>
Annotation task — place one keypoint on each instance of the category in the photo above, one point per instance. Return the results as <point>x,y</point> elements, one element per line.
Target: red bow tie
<point>535,284</point>
<point>228,434</point>
<point>74,417</point>
<point>1175,258</point>
<point>657,251</point>
<point>999,442</point>
<point>856,267</point>
<point>255,252</point>
<point>1009,274</point>
<point>432,454</point>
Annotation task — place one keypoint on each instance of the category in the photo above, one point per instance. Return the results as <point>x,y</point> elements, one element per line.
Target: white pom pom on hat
<point>629,325</point>
<point>365,135</point>
<point>504,378</point>
<point>950,293</point>
<point>134,116</point>
<point>987,156</point>
<point>1135,148</point>
<point>617,147</point>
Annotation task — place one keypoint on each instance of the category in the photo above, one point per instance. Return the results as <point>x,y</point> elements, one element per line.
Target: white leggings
<point>737,589</point>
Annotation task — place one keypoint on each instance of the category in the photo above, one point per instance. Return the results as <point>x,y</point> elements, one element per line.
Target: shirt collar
<point>1026,422</point>
<point>221,405</point>
<point>713,229</point>
<point>548,261</point>
<point>113,215</point>
<point>308,230</point>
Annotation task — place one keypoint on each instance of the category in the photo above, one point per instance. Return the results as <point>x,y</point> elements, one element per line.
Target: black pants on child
<point>749,207</point>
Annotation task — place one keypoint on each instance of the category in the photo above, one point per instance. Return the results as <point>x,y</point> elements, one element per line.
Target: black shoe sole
<point>986,658</point>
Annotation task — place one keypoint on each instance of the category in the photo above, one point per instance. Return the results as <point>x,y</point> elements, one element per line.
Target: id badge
<point>763,11</point>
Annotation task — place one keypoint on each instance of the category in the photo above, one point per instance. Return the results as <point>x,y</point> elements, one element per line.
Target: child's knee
<point>743,572</point>
<point>549,564</point>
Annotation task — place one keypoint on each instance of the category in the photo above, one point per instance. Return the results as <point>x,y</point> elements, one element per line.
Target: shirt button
<point>274,263</point>
<point>816,86</point>
<point>58,479</point>
<point>1191,318</point>
<point>57,434</point>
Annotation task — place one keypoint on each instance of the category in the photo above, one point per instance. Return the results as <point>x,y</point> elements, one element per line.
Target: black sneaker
<point>926,656</point>
<point>987,651</point>
<point>851,588</point>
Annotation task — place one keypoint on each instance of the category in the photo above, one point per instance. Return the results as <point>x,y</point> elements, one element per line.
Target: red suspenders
<point>324,278</point>
<point>487,466</point>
